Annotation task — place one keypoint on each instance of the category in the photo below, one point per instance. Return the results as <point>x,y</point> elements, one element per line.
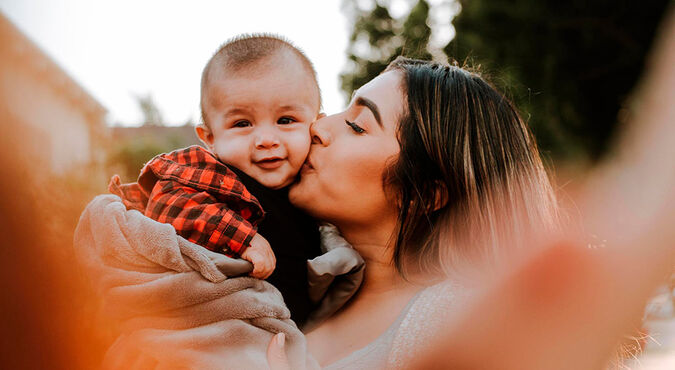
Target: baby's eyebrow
<point>290,107</point>
<point>234,111</point>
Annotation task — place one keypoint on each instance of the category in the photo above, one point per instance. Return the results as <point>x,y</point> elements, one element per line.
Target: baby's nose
<point>266,139</point>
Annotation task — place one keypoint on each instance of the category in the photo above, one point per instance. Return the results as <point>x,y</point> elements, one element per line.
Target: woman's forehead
<point>384,91</point>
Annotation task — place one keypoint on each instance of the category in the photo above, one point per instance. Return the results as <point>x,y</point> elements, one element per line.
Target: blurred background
<point>93,88</point>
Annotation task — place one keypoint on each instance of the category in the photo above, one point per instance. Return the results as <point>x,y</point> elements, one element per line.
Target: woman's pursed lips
<point>307,166</point>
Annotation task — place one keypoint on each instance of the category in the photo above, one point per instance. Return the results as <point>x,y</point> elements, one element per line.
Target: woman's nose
<point>320,131</point>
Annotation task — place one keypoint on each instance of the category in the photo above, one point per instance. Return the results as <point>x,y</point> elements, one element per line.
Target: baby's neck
<point>253,185</point>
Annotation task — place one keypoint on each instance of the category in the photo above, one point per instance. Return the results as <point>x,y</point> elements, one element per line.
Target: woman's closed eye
<point>354,126</point>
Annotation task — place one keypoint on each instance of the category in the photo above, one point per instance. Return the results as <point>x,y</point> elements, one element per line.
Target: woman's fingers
<point>276,353</point>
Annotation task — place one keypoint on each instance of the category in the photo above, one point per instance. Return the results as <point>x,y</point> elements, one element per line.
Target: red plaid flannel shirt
<point>203,199</point>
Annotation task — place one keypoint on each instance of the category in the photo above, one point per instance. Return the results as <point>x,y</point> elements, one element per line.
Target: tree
<point>151,113</point>
<point>416,32</point>
<point>378,38</point>
<point>569,66</point>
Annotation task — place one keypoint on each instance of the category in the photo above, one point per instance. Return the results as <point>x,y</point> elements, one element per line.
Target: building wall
<point>53,126</point>
<point>53,121</point>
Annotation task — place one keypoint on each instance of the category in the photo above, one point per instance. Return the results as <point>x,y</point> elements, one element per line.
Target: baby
<point>259,95</point>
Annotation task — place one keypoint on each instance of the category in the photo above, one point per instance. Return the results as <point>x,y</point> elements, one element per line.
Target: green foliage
<point>151,113</point>
<point>137,145</point>
<point>378,38</point>
<point>132,147</point>
<point>130,155</point>
<point>568,65</point>
<point>416,32</point>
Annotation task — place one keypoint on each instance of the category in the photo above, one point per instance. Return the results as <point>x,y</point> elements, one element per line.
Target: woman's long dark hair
<point>469,175</point>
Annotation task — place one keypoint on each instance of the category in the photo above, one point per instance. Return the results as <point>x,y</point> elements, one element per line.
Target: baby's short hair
<point>242,52</point>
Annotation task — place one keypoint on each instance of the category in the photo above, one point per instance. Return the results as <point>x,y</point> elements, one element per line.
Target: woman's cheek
<point>360,176</point>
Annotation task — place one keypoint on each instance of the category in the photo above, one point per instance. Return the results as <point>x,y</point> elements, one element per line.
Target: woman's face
<point>342,179</point>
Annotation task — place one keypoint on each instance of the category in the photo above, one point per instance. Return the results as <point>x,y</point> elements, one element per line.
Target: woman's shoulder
<point>432,305</point>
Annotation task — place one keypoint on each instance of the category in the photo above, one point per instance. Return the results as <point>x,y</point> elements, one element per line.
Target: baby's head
<point>259,96</point>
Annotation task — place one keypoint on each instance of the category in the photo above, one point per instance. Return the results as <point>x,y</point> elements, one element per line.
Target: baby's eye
<point>285,120</point>
<point>242,123</point>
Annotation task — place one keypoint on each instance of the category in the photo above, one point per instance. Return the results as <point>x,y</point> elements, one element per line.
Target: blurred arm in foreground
<point>568,306</point>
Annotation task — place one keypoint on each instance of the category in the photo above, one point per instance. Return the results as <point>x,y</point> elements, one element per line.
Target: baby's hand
<point>260,254</point>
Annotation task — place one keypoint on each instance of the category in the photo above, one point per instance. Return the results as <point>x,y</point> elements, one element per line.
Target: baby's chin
<point>275,183</point>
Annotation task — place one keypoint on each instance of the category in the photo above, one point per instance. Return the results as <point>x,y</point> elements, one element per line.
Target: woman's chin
<point>298,193</point>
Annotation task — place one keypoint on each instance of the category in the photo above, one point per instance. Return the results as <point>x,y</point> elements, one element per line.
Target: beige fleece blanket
<point>173,299</point>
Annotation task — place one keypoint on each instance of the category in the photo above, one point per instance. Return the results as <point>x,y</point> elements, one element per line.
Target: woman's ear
<point>205,135</point>
<point>440,195</point>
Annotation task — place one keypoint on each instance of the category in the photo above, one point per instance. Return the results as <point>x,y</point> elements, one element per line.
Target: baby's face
<point>259,120</point>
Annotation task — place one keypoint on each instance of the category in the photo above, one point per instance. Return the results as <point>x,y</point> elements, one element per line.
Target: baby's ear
<point>205,135</point>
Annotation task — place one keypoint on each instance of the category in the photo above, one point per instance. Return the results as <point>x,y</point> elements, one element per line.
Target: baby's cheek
<point>298,147</point>
<point>232,152</point>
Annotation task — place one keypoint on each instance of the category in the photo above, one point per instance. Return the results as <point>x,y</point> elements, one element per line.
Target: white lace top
<point>414,327</point>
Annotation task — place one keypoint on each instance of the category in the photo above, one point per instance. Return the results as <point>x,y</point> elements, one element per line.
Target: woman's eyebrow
<point>365,102</point>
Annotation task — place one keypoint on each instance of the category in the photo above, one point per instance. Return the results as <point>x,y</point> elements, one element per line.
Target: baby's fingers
<point>263,269</point>
<point>262,266</point>
<point>269,268</point>
<point>255,259</point>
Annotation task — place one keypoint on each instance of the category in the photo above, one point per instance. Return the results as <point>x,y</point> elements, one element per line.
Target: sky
<point>121,49</point>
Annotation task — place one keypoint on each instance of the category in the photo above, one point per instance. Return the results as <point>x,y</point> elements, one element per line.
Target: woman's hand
<point>276,353</point>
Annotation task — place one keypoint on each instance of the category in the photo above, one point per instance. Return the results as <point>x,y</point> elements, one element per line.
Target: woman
<point>427,170</point>
<point>418,173</point>
<point>570,306</point>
